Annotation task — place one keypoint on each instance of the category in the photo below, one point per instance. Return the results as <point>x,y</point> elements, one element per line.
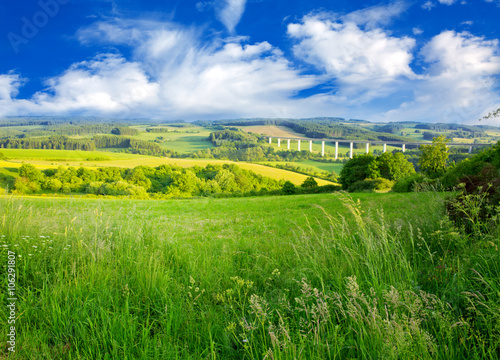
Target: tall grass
<point>110,280</point>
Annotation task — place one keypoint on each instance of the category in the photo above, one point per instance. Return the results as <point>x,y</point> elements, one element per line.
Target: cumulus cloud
<point>170,74</point>
<point>360,61</point>
<point>459,83</point>
<point>9,86</point>
<point>229,12</point>
<point>356,68</point>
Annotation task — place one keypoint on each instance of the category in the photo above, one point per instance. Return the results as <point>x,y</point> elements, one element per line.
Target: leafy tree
<point>434,157</point>
<point>289,188</point>
<point>394,166</point>
<point>310,182</point>
<point>31,173</point>
<point>359,168</point>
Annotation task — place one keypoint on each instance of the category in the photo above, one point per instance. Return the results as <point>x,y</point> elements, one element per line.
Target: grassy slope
<point>311,164</point>
<point>178,279</point>
<point>52,158</point>
<point>184,140</point>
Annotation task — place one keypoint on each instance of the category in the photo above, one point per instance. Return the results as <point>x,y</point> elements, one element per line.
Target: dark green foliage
<point>310,182</point>
<point>165,180</point>
<point>289,188</point>
<point>472,166</point>
<point>124,131</point>
<point>52,142</point>
<point>408,184</point>
<point>380,184</point>
<point>360,167</point>
<point>476,208</point>
<point>157,130</point>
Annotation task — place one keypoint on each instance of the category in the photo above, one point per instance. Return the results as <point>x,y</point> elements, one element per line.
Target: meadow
<point>379,276</point>
<point>44,159</point>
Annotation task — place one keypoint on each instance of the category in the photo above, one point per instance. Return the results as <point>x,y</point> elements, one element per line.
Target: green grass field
<point>310,164</point>
<point>184,140</point>
<point>300,277</point>
<point>66,155</point>
<point>53,158</point>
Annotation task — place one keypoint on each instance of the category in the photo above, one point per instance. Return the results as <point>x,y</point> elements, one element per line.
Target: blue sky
<point>429,60</point>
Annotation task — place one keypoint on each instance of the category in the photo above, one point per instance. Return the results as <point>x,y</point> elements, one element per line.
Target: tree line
<point>142,181</point>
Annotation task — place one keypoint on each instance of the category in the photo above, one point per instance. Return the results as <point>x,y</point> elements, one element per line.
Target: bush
<point>310,182</point>
<point>379,184</point>
<point>408,184</point>
<point>289,188</point>
<point>476,208</point>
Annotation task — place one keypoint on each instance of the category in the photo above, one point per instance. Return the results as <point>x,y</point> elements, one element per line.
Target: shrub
<point>289,188</point>
<point>310,182</point>
<point>476,208</point>
<point>408,184</point>
<point>371,184</point>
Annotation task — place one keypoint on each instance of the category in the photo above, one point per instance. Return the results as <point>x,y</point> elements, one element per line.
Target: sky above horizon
<point>429,60</point>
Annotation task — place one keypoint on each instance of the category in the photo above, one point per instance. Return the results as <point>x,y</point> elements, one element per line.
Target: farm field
<point>310,164</point>
<point>53,158</point>
<point>183,140</point>
<point>239,278</point>
<point>66,155</point>
<point>271,130</point>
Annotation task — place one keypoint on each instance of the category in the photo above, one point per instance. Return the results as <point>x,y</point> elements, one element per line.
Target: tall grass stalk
<point>144,280</point>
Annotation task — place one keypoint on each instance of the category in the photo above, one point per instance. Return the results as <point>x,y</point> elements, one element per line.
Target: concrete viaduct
<point>352,142</point>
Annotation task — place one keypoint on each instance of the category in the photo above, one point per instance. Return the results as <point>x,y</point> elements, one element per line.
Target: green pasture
<point>65,155</point>
<point>184,140</point>
<point>310,164</point>
<point>326,276</point>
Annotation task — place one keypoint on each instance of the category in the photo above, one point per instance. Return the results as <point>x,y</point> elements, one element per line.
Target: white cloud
<point>428,5</point>
<point>417,31</point>
<point>359,61</point>
<point>171,75</point>
<point>376,16</point>
<point>229,12</point>
<point>9,85</point>
<point>107,84</point>
<point>459,84</point>
<point>447,2</point>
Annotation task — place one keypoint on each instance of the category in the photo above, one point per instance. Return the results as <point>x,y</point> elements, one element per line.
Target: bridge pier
<point>470,149</point>
<point>298,145</point>
<point>350,153</point>
<point>336,150</point>
<point>288,144</point>
<point>385,147</point>
<point>367,148</point>
<point>404,147</point>
<point>310,146</point>
<point>279,142</point>
<point>322,148</point>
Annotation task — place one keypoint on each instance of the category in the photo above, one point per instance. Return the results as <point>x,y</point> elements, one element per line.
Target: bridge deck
<point>375,141</point>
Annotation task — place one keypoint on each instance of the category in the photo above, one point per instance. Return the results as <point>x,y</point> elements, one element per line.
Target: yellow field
<point>271,130</point>
<point>136,160</point>
<point>63,155</point>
